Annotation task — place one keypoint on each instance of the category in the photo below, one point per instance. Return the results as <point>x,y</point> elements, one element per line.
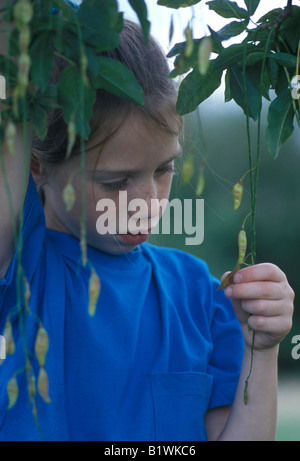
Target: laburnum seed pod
<point>41,346</point>
<point>204,52</point>
<point>9,339</point>
<point>187,169</point>
<point>200,183</point>
<point>237,194</point>
<point>43,385</point>
<point>24,39</point>
<point>31,387</point>
<point>189,48</point>
<point>94,292</point>
<point>242,245</point>
<point>12,392</point>
<point>10,137</point>
<point>23,75</point>
<point>71,136</point>
<point>23,13</point>
<point>69,197</point>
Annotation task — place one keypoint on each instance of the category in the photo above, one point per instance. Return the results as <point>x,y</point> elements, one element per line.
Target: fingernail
<point>228,292</point>
<point>237,278</point>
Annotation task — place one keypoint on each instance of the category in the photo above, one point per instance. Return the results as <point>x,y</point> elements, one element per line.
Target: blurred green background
<point>216,134</point>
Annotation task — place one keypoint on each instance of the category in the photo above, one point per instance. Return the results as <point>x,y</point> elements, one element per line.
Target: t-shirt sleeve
<point>228,349</point>
<point>30,241</point>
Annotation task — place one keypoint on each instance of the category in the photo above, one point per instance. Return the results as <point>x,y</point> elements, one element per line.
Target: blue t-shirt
<point>163,347</point>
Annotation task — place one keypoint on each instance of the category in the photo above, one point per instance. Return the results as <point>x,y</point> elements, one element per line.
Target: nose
<point>142,202</point>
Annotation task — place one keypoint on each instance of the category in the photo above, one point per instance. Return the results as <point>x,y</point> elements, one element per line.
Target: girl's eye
<point>166,169</point>
<point>115,185</point>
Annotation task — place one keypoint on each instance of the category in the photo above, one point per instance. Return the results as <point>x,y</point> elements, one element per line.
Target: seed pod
<point>200,183</point>
<point>10,137</point>
<point>41,346</point>
<point>43,385</point>
<point>27,292</point>
<point>31,387</point>
<point>9,339</point>
<point>242,244</point>
<point>23,75</point>
<point>187,169</point>
<point>189,42</point>
<point>12,391</point>
<point>69,196</point>
<point>204,52</point>
<point>94,292</point>
<point>23,13</point>
<point>237,194</point>
<point>24,39</point>
<point>71,136</point>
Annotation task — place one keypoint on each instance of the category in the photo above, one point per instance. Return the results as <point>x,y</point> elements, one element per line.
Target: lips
<point>131,239</point>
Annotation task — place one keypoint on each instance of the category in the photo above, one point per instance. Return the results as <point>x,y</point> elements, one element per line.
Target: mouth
<point>133,239</point>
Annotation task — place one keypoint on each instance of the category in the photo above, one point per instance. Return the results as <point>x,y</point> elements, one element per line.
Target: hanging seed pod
<point>41,346</point>
<point>31,387</point>
<point>204,52</point>
<point>24,39</point>
<point>237,194</point>
<point>242,244</point>
<point>200,183</point>
<point>71,137</point>
<point>27,292</point>
<point>43,385</point>
<point>12,392</point>
<point>69,196</point>
<point>23,13</point>
<point>23,75</point>
<point>189,42</point>
<point>94,292</point>
<point>9,339</point>
<point>187,169</point>
<point>10,137</point>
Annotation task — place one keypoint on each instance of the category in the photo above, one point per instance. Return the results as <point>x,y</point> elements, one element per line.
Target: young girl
<point>166,355</point>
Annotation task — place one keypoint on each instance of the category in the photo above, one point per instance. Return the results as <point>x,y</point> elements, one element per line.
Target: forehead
<point>137,142</point>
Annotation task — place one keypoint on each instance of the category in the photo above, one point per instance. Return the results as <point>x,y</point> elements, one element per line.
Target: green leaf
<point>116,78</point>
<point>100,23</point>
<point>280,122</point>
<point>228,9</point>
<point>233,29</point>
<point>140,8</point>
<point>232,55</point>
<point>284,59</point>
<point>69,97</point>
<point>39,120</point>
<point>195,88</point>
<point>245,93</point>
<point>177,3</point>
<point>252,6</point>
<point>42,56</point>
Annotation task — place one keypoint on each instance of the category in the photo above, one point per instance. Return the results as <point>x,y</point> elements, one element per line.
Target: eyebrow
<point>108,173</point>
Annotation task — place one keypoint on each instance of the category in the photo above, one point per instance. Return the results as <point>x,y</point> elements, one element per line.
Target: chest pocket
<point>180,404</point>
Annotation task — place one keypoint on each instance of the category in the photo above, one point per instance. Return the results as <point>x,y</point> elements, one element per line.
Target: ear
<point>37,170</point>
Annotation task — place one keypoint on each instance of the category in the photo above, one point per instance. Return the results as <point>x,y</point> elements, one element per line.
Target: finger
<point>256,290</point>
<point>260,272</point>
<point>276,325</point>
<point>262,307</point>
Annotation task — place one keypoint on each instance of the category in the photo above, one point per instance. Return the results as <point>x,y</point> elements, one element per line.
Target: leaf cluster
<point>77,36</point>
<point>263,64</point>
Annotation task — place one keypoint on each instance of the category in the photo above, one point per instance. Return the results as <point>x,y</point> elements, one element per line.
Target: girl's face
<point>137,161</point>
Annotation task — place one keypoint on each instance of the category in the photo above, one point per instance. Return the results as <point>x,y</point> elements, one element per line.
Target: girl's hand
<point>263,301</point>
